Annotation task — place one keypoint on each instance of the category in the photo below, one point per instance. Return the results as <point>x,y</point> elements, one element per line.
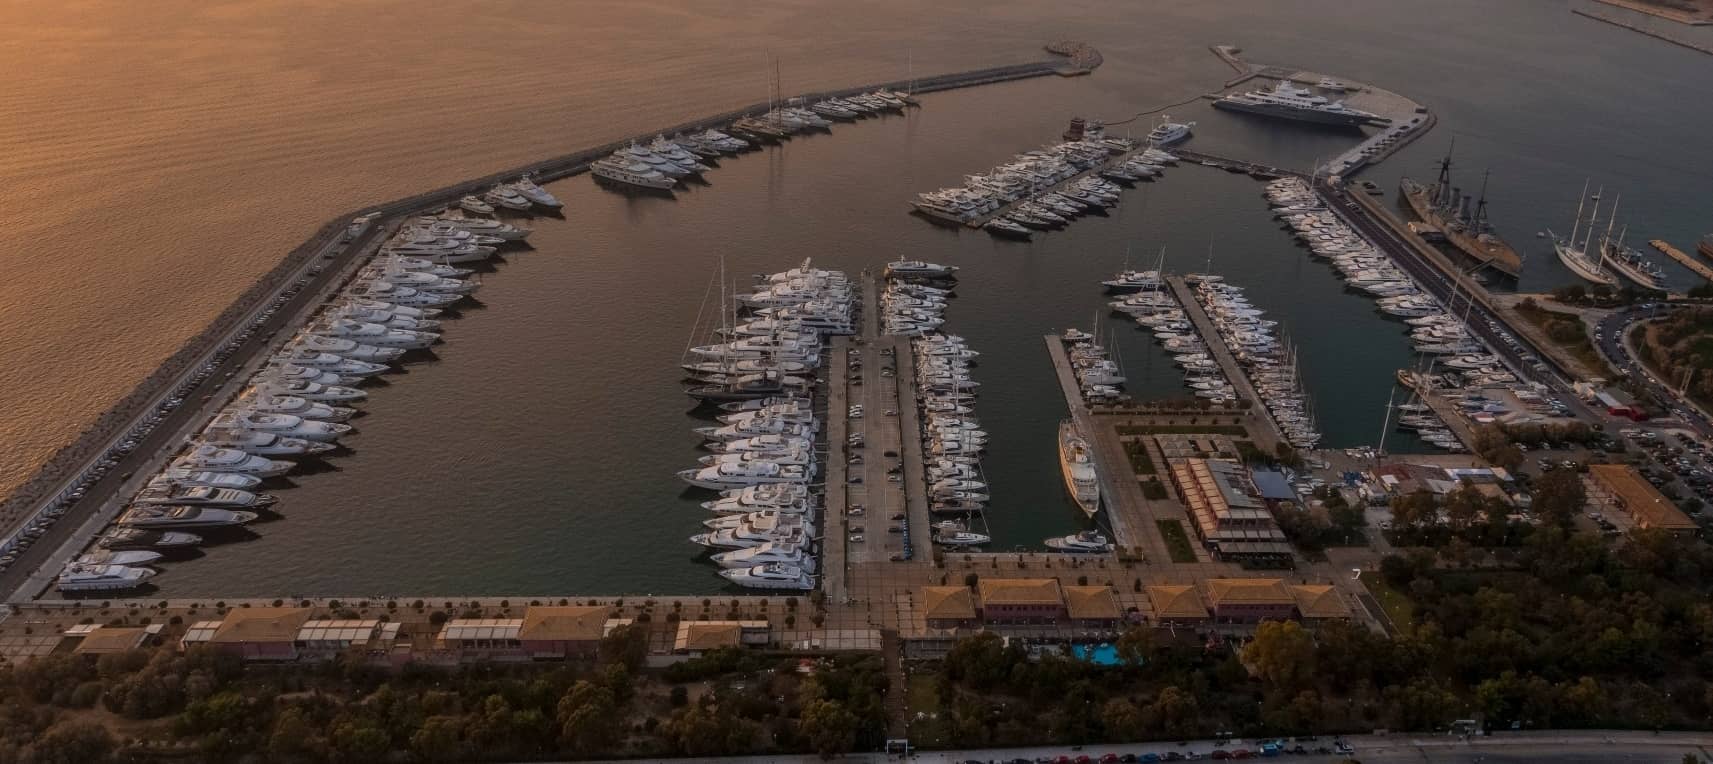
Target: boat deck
<point>1501,257</point>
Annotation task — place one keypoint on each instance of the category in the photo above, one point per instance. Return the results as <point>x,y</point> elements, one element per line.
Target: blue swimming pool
<point>1102,655</point>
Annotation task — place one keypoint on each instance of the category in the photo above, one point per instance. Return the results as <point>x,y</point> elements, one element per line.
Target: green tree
<point>1123,720</point>
<point>829,727</point>
<point>1282,654</point>
<point>441,738</point>
<point>1175,712</point>
<point>587,717</point>
<point>293,736</point>
<point>1559,497</point>
<point>1135,644</point>
<point>626,646</point>
<point>73,743</point>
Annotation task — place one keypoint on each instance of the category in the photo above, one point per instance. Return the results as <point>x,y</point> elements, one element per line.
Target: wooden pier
<point>1683,258</point>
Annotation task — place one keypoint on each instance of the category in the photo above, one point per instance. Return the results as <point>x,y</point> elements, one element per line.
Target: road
<point>1612,334</point>
<point>1558,746</point>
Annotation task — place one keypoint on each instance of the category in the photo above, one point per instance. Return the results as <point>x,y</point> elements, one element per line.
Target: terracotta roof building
<point>1021,600</point>
<point>701,636</point>
<point>1636,495</point>
<point>1249,600</point>
<point>948,607</point>
<point>1319,601</point>
<point>260,633</point>
<point>1177,604</point>
<point>111,639</point>
<point>1092,605</point>
<point>559,631</point>
<point>1229,513</point>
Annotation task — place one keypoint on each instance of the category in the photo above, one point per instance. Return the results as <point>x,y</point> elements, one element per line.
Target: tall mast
<point>1479,223</point>
<point>1607,238</point>
<point>1443,185</point>
<point>1576,226</point>
<point>1588,237</point>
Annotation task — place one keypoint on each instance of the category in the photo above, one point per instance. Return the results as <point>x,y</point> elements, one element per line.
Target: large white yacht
<point>115,557</point>
<point>381,291</point>
<point>309,390</point>
<point>1290,102</point>
<point>722,476</point>
<point>766,425</point>
<point>215,459</point>
<point>776,575</point>
<point>477,206</point>
<point>624,170</point>
<point>1087,542</point>
<point>759,444</point>
<point>422,282</point>
<point>1081,480</point>
<point>786,552</point>
<point>169,517</point>
<point>293,373</point>
<point>536,194</point>
<point>400,311</point>
<point>201,495</point>
<point>387,318</point>
<point>798,456</point>
<point>138,538</point>
<point>482,226</point>
<point>505,196</point>
<point>375,334</point>
<point>174,476</point>
<point>1169,132</point>
<point>262,443</point>
<point>346,348</point>
<point>78,577</point>
<point>771,496</point>
<point>315,359</point>
<point>267,403</point>
<point>902,268</point>
<point>280,424</point>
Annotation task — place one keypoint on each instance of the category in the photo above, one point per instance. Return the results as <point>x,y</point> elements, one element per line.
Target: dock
<point>1229,164</point>
<point>1683,258</point>
<point>1120,493</point>
<point>1103,166</point>
<point>1268,434</point>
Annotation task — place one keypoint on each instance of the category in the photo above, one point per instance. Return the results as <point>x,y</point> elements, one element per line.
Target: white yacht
<point>787,552</point>
<point>280,424</point>
<point>137,538</point>
<point>398,311</point>
<point>482,226</point>
<point>1083,542</point>
<point>309,391</point>
<point>264,403</point>
<point>775,575</point>
<point>477,206</point>
<point>902,268</point>
<point>624,170</point>
<point>802,457</point>
<point>262,443</point>
<point>345,348</point>
<point>960,538</point>
<point>422,282</point>
<point>316,359</point>
<point>374,334</point>
<point>1081,480</point>
<point>214,459</point>
<point>505,196</point>
<point>758,497</point>
<point>293,373</point>
<point>78,577</point>
<point>201,495</point>
<point>114,557</point>
<point>387,318</point>
<point>169,517</point>
<point>1169,132</point>
<point>536,194</point>
<point>393,294</point>
<point>172,477</point>
<point>760,444</point>
<point>725,476</point>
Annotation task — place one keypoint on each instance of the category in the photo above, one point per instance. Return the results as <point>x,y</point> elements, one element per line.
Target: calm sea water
<point>159,160</point>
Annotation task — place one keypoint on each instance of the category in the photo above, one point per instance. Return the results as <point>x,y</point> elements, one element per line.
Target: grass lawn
<point>922,695</point>
<point>1396,605</point>
<point>1568,332</point>
<point>1177,541</point>
<point>1139,461</point>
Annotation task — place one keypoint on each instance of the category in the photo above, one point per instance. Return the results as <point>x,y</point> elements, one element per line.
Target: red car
<point>1111,758</point>
<point>1220,753</point>
<point>1241,753</point>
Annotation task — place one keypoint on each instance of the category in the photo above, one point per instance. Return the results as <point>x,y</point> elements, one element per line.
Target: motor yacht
<point>902,268</point>
<point>505,196</point>
<point>170,517</point>
<point>329,362</point>
<point>625,170</point>
<point>422,282</point>
<point>78,577</point>
<point>262,443</point>
<point>535,194</point>
<point>280,424</point>
<point>770,576</point>
<point>386,318</point>
<point>140,539</point>
<point>481,226</point>
<point>204,458</point>
<point>375,307</point>
<point>1086,542</point>
<point>760,444</point>
<point>201,495</point>
<point>1169,132</point>
<point>477,206</point>
<point>375,335</point>
<point>294,373</point>
<point>723,476</point>
<point>174,477</point>
<point>393,294</point>
<point>345,348</point>
<point>267,403</point>
<point>773,551</point>
<point>115,557</point>
<point>309,391</point>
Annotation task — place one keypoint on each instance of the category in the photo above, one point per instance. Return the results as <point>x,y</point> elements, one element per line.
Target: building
<point>697,637</point>
<point>1092,607</point>
<point>254,633</point>
<point>1250,600</point>
<point>321,640</point>
<point>1230,515</point>
<point>470,640</point>
<point>1021,600</point>
<point>1619,403</point>
<point>948,607</point>
<point>1649,507</point>
<point>103,640</point>
<point>1319,602</point>
<point>1177,605</point>
<point>558,632</point>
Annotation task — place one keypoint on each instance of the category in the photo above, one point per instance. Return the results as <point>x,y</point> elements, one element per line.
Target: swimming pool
<point>1100,655</point>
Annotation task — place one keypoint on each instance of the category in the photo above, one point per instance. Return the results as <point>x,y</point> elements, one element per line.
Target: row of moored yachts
<point>298,405</point>
<point>665,162</point>
<point>1157,311</point>
<point>761,376</point>
<point>1036,191</point>
<point>1269,365</point>
<point>914,305</point>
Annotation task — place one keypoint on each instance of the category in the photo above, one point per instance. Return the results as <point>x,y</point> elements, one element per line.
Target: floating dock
<point>1683,258</point>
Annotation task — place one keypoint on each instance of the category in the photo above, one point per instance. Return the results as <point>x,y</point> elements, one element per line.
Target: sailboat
<point>1578,259</point>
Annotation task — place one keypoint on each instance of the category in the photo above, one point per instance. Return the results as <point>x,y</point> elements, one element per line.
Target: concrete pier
<point>1120,493</point>
<point>1262,429</point>
<point>1682,258</point>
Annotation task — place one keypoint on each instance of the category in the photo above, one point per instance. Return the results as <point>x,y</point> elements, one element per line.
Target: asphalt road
<point>1611,331</point>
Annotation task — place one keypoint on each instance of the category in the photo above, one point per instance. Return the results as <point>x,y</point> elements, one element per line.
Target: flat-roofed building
<point>1092,606</point>
<point>697,637</point>
<point>1649,507</point>
<point>1021,600</point>
<point>1319,602</point>
<point>1229,514</point>
<point>260,633</point>
<point>1177,604</point>
<point>482,639</point>
<point>111,639</point>
<point>563,631</point>
<point>328,638</point>
<point>1249,600</point>
<point>948,607</point>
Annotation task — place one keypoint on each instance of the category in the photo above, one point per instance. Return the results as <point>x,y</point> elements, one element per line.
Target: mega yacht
<point>625,170</point>
<point>201,495</point>
<point>535,194</point>
<point>98,578</point>
<point>311,358</point>
<point>393,294</point>
<point>744,537</point>
<point>174,476</point>
<point>169,517</point>
<point>374,335</point>
<point>505,196</point>
<point>1083,542</point>
<point>1289,102</point>
<point>947,537</point>
<point>477,206</point>
<point>775,575</point>
<point>398,311</point>
<point>1077,464</point>
<point>280,424</point>
<point>293,373</point>
<point>757,497</point>
<point>1169,132</point>
<point>387,318</point>
<point>1133,281</point>
<point>138,538</point>
<point>346,348</point>
<point>422,282</point>
<point>902,268</point>
<point>723,476</point>
<point>309,390</point>
<point>801,457</point>
<point>761,444</point>
<point>267,403</point>
<point>215,459</point>
<point>262,443</point>
<point>112,557</point>
<point>786,552</point>
<point>481,226</point>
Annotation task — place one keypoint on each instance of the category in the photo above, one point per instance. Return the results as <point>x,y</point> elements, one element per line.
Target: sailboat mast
<point>1576,226</point>
<point>1479,224</point>
<point>1611,220</point>
<point>1588,238</point>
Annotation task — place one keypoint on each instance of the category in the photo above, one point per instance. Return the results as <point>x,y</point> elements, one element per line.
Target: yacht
<point>786,552</point>
<point>214,459</point>
<point>902,268</point>
<point>759,444</point>
<point>168,517</point>
<point>1289,102</point>
<point>1077,465</point>
<point>263,403</point>
<point>137,538</point>
<point>758,497</point>
<point>776,575</point>
<point>112,557</point>
<point>474,205</point>
<point>309,391</point>
<point>172,477</point>
<point>280,424</point>
<point>1133,281</point>
<point>346,348</point>
<point>422,282</point>
<point>374,334</point>
<point>535,194</point>
<point>744,537</point>
<point>723,476</point>
<point>78,577</point>
<point>368,307</point>
<point>1169,132</point>
<point>479,226</point>
<point>387,318</point>
<point>201,495</point>
<point>960,538</point>
<point>799,456</point>
<point>1083,542</point>
<point>263,444</point>
<point>293,373</point>
<point>507,197</point>
<point>625,170</point>
<point>393,294</point>
<point>340,365</point>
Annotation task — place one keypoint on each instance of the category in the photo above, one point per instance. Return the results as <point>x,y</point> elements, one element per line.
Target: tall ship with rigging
<point>1077,463</point>
<point>1600,261</point>
<point>1582,259</point>
<point>1447,208</point>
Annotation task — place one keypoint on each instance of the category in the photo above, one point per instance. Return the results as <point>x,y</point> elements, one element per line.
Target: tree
<point>587,717</point>
<point>1282,654</point>
<point>73,743</point>
<point>626,646</point>
<point>1559,496</point>
<point>829,727</point>
<point>293,736</point>
<point>1123,720</point>
<point>1175,712</point>
<point>440,739</point>
<point>1135,644</point>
